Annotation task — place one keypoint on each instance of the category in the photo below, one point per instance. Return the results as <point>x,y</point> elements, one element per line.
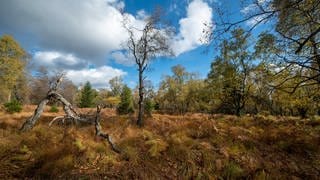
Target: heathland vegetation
<point>256,115</point>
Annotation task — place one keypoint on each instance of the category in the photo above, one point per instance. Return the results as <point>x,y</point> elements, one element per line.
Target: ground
<point>193,146</point>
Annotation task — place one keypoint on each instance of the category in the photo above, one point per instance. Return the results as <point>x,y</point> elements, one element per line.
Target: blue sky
<point>86,39</point>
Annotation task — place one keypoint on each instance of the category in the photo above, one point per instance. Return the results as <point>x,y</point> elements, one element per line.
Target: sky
<point>85,39</point>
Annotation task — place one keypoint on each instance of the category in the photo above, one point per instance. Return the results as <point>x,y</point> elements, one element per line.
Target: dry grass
<point>168,147</point>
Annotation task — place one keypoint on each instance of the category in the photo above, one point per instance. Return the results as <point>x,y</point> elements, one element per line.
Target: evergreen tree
<point>149,107</point>
<point>87,96</point>
<point>126,104</point>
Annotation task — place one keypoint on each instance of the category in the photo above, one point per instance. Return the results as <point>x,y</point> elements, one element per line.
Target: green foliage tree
<point>126,103</point>
<point>170,96</point>
<point>229,75</point>
<point>295,26</point>
<point>87,96</point>
<point>12,66</point>
<point>182,92</point>
<point>149,102</point>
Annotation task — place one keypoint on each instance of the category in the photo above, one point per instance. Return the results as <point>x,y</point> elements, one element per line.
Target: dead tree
<point>144,45</point>
<point>70,114</point>
<point>99,132</point>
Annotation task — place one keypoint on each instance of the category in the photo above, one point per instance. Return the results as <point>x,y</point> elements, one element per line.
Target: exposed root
<point>57,118</point>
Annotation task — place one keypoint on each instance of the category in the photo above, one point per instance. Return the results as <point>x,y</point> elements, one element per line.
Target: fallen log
<point>70,114</point>
<point>104,135</point>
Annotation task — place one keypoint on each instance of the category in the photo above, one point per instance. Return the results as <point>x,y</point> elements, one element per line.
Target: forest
<point>255,114</point>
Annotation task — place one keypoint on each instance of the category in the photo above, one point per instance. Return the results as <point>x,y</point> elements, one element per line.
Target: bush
<point>13,106</point>
<point>126,104</point>
<point>54,109</point>
<point>149,107</point>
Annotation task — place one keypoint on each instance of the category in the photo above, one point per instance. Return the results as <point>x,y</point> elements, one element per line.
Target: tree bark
<point>71,114</point>
<point>140,104</point>
<point>33,119</point>
<point>104,135</point>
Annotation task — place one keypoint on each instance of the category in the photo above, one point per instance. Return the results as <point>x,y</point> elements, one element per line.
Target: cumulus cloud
<point>74,34</point>
<point>91,29</point>
<point>191,27</point>
<point>57,61</point>
<point>98,77</point>
<point>76,69</point>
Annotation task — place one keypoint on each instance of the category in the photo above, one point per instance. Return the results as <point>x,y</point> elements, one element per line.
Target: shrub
<point>149,107</point>
<point>13,106</point>
<point>54,109</point>
<point>126,104</point>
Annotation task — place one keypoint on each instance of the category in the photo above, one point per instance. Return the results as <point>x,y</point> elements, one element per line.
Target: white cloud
<point>98,77</point>
<point>117,3</point>
<point>192,26</point>
<point>123,58</point>
<point>76,69</point>
<point>141,14</point>
<point>253,8</point>
<point>57,60</point>
<point>248,9</point>
<point>90,29</point>
<point>74,34</point>
<point>253,21</point>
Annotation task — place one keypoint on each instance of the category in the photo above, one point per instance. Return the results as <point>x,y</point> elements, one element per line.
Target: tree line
<point>276,72</point>
<point>239,82</point>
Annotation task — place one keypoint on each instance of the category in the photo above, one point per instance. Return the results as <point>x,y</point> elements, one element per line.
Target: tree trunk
<point>9,96</point>
<point>37,113</point>
<point>238,110</point>
<point>140,105</point>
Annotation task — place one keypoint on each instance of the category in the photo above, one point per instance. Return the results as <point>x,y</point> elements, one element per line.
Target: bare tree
<point>144,45</point>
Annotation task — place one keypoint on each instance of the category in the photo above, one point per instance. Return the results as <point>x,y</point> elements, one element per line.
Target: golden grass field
<point>194,146</point>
